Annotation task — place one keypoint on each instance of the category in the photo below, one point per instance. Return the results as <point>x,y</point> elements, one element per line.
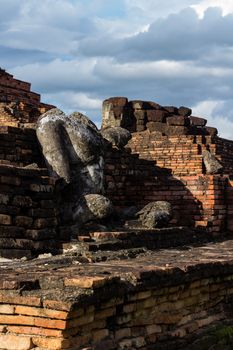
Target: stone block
<point>125,344</point>
<point>48,323</point>
<point>81,321</point>
<point>4,199</point>
<point>171,109</point>
<point>45,223</point>
<point>112,111</point>
<point>86,282</point>
<point>17,319</point>
<point>138,331</point>
<point>178,120</point>
<point>15,181</point>
<point>156,115</point>
<point>23,221</point>
<point>41,213</point>
<point>138,104</point>
<point>124,319</point>
<point>35,331</point>
<point>39,312</point>
<point>103,314</point>
<point>140,115</point>
<point>156,126</point>
<point>184,111</point>
<point>100,335</point>
<point>116,102</point>
<point>153,329</point>
<point>7,309</point>
<point>20,300</point>
<point>13,342</point>
<point>38,235</point>
<point>211,131</point>
<point>22,201</point>
<point>176,130</point>
<point>169,130</point>
<point>122,333</point>
<point>5,219</point>
<point>197,121</point>
<point>51,343</point>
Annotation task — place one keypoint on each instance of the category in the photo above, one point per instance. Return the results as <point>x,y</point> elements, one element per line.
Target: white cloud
<point>79,52</point>
<point>214,112</point>
<point>225,5</point>
<point>72,101</point>
<point>58,75</point>
<point>154,9</point>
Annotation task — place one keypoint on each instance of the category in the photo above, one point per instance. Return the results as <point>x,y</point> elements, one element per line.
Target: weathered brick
<point>21,300</point>
<point>5,219</point>
<point>17,320</point>
<point>105,313</point>
<point>122,333</point>
<point>86,281</point>
<point>15,181</point>
<point>40,312</point>
<point>24,330</point>
<point>49,323</point>
<point>15,342</point>
<point>100,335</point>
<point>152,329</point>
<point>81,321</point>
<point>7,309</point>
<point>51,343</point>
<point>23,221</point>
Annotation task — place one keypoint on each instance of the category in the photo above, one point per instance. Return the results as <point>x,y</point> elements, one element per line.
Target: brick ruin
<point>117,286</point>
<point>18,104</point>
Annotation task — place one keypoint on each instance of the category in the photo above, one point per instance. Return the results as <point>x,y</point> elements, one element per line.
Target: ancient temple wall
<point>19,147</point>
<point>179,154</point>
<point>8,81</point>
<point>13,94</point>
<point>198,200</point>
<point>229,200</point>
<point>224,152</point>
<point>182,155</point>
<point>28,219</point>
<point>18,104</point>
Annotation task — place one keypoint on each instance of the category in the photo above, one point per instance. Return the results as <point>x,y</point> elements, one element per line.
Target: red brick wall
<point>198,200</point>
<point>229,199</point>
<point>8,80</point>
<point>27,212</point>
<point>180,154</point>
<point>224,151</point>
<point>13,90</point>
<point>19,147</point>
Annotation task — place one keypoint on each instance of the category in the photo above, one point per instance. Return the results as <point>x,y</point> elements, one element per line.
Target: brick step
<point>140,238</point>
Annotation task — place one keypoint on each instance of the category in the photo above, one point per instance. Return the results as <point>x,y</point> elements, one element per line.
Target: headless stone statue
<point>73,149</point>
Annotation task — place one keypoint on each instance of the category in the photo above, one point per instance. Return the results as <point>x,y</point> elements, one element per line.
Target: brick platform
<point>156,300</point>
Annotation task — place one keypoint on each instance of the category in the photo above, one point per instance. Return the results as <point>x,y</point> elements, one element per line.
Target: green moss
<point>224,334</point>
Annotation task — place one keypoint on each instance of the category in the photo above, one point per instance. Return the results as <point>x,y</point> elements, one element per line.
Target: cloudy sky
<point>77,53</point>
